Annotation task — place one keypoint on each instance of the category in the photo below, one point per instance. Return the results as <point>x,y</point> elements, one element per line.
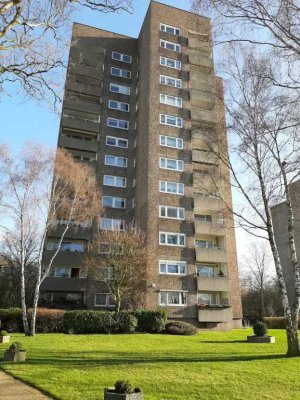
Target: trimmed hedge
<point>260,329</point>
<point>84,321</point>
<point>126,323</point>
<point>151,321</point>
<point>277,322</point>
<point>11,319</point>
<point>180,328</point>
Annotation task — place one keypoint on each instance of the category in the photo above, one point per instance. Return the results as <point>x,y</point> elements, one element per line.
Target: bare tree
<point>38,189</point>
<point>33,39</point>
<point>257,271</point>
<point>118,259</point>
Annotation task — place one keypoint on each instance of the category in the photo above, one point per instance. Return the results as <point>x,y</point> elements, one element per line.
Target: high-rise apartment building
<point>140,111</point>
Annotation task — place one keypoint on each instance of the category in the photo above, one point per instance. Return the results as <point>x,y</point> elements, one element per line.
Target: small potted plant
<point>260,331</point>
<point>15,353</point>
<point>4,337</point>
<point>123,391</point>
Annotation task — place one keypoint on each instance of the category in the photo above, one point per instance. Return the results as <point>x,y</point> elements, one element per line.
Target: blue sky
<point>23,121</point>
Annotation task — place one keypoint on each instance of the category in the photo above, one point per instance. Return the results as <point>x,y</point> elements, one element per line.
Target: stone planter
<point>110,394</point>
<point>15,356</point>
<point>4,339</point>
<point>261,339</point>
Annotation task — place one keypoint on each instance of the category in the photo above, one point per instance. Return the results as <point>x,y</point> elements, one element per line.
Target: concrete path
<point>12,389</point>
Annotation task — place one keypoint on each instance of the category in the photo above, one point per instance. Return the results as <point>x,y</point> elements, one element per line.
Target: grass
<point>210,365</point>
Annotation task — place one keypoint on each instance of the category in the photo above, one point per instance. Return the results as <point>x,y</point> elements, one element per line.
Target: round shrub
<point>260,329</point>
<point>15,346</point>
<point>180,328</point>
<point>126,322</point>
<point>3,333</point>
<point>123,387</point>
<point>151,321</point>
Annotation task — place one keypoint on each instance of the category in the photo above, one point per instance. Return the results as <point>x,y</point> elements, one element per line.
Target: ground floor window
<point>103,300</point>
<point>209,299</point>
<point>170,298</point>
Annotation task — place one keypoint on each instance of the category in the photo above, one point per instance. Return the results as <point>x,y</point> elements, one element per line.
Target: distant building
<point>280,216</point>
<point>139,111</point>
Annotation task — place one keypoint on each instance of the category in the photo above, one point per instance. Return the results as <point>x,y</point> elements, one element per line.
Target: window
<point>171,100</point>
<point>171,212</point>
<point>121,57</point>
<point>170,29</point>
<point>171,120</point>
<point>206,270</point>
<point>170,45</point>
<point>205,244</point>
<point>170,163</point>
<point>170,81</point>
<point>113,202</point>
<point>108,248</point>
<point>66,246</point>
<point>209,299</point>
<point>77,114</point>
<point>171,187</point>
<point>123,73</point>
<point>117,123</point>
<point>122,89</point>
<point>173,298</point>
<point>103,300</point>
<point>117,181</point>
<point>203,218</point>
<point>172,267</point>
<point>110,224</point>
<point>170,141</point>
<point>62,272</point>
<point>170,62</point>
<point>65,222</point>
<point>118,105</point>
<point>171,239</point>
<point>116,142</point>
<point>116,161</point>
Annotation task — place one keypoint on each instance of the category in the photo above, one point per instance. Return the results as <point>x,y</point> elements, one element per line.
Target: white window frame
<point>171,262</point>
<point>166,44</point>
<point>213,247</point>
<point>59,276</point>
<point>180,304</point>
<point>163,120</point>
<point>108,295</point>
<point>117,141</point>
<point>178,210</point>
<point>178,184</point>
<point>121,75</point>
<point>119,105</point>
<point>163,164</point>
<point>119,122</point>
<point>115,178</point>
<point>163,79</point>
<point>166,61</point>
<point>163,140</point>
<point>114,200</point>
<point>122,55</point>
<point>116,158</point>
<point>166,98</point>
<point>163,28</point>
<point>126,93</point>
<point>113,221</point>
<point>178,235</point>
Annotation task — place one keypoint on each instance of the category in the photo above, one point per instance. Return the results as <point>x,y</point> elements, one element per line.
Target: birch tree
<point>118,259</point>
<point>34,37</point>
<point>38,189</point>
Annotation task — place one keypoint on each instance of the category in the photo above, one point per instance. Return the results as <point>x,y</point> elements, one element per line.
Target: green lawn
<point>210,365</point>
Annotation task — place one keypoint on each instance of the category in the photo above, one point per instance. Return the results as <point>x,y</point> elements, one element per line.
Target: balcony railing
<point>209,228</point>
<point>217,255</point>
<point>213,283</point>
<point>215,314</point>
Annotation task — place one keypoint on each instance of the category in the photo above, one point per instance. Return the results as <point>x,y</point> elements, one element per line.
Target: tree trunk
<point>23,302</point>
<point>262,304</point>
<point>34,309</point>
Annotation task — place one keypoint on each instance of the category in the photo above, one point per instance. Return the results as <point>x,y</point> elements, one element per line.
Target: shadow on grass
<point>223,341</point>
<point>91,362</point>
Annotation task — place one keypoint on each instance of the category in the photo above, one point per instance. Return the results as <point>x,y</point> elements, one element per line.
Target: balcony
<point>79,144</point>
<point>203,205</point>
<point>74,86</point>
<point>213,283</point>
<point>80,124</point>
<point>209,228</point>
<point>202,99</point>
<point>64,284</point>
<point>201,80</point>
<point>215,314</point>
<point>73,232</point>
<point>201,117</point>
<point>214,255</point>
<point>201,59</point>
<point>85,70</point>
<point>200,44</point>
<point>81,105</point>
<point>206,157</point>
<point>67,258</point>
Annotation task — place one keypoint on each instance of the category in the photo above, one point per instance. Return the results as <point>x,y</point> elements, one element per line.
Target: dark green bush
<point>126,322</point>
<point>49,321</point>
<point>277,322</point>
<point>123,387</point>
<point>180,328</point>
<point>11,319</point>
<point>3,333</point>
<point>151,321</point>
<point>260,329</point>
<point>84,321</point>
<point>15,346</point>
